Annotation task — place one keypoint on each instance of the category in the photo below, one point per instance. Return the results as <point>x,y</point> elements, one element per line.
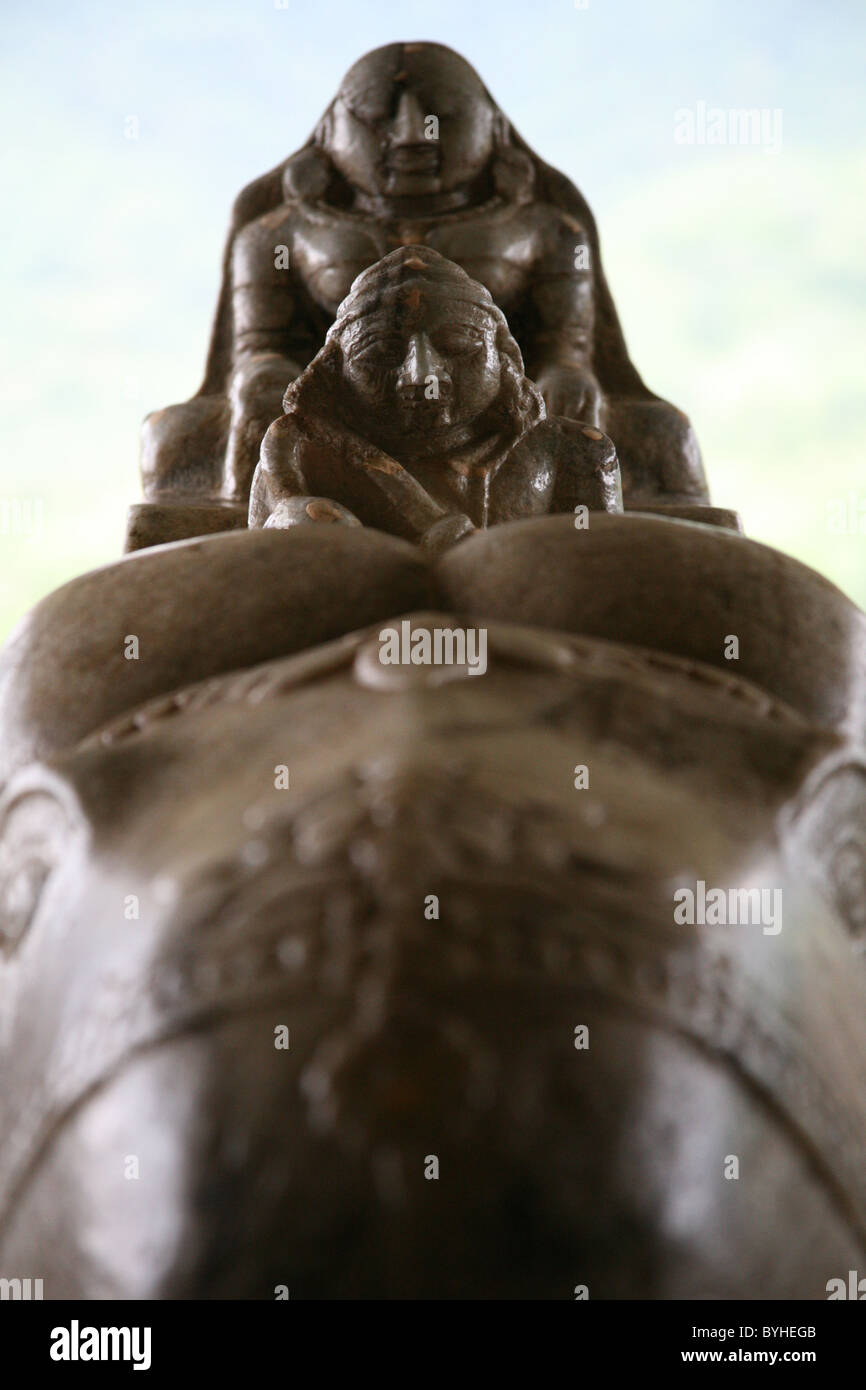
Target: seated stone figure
<point>416,418</point>
<point>412,151</point>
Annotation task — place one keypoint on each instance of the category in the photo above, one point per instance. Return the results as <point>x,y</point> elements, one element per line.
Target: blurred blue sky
<point>738,273</point>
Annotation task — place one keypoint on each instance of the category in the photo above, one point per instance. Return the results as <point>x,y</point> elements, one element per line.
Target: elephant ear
<point>830,833</point>
<point>35,830</point>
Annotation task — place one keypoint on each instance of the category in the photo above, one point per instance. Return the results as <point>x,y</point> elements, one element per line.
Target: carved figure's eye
<point>369,107</point>
<point>381,352</point>
<point>457,342</point>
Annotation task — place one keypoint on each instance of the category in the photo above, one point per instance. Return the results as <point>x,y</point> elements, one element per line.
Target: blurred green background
<point>737,269</point>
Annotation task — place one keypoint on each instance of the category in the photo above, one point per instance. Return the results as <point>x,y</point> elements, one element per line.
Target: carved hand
<point>571,391</point>
<point>301,511</point>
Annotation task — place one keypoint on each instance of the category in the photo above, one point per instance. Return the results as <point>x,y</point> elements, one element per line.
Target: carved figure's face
<point>423,362</point>
<point>411,120</point>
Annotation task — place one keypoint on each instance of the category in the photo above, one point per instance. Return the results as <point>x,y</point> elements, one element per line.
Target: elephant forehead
<point>440,710</point>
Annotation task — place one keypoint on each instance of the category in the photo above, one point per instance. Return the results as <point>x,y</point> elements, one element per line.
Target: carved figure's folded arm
<point>279,496</point>
<point>558,466</point>
<point>282,495</point>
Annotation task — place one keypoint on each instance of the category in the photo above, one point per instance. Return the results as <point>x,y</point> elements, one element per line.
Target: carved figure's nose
<point>420,363</point>
<point>408,127</point>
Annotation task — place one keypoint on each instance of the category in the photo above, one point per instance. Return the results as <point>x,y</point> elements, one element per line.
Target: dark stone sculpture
<point>416,418</point>
<point>341,865</point>
<point>263,906</point>
<point>412,151</point>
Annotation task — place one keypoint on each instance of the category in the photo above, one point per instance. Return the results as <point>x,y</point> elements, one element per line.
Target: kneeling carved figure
<point>416,418</point>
